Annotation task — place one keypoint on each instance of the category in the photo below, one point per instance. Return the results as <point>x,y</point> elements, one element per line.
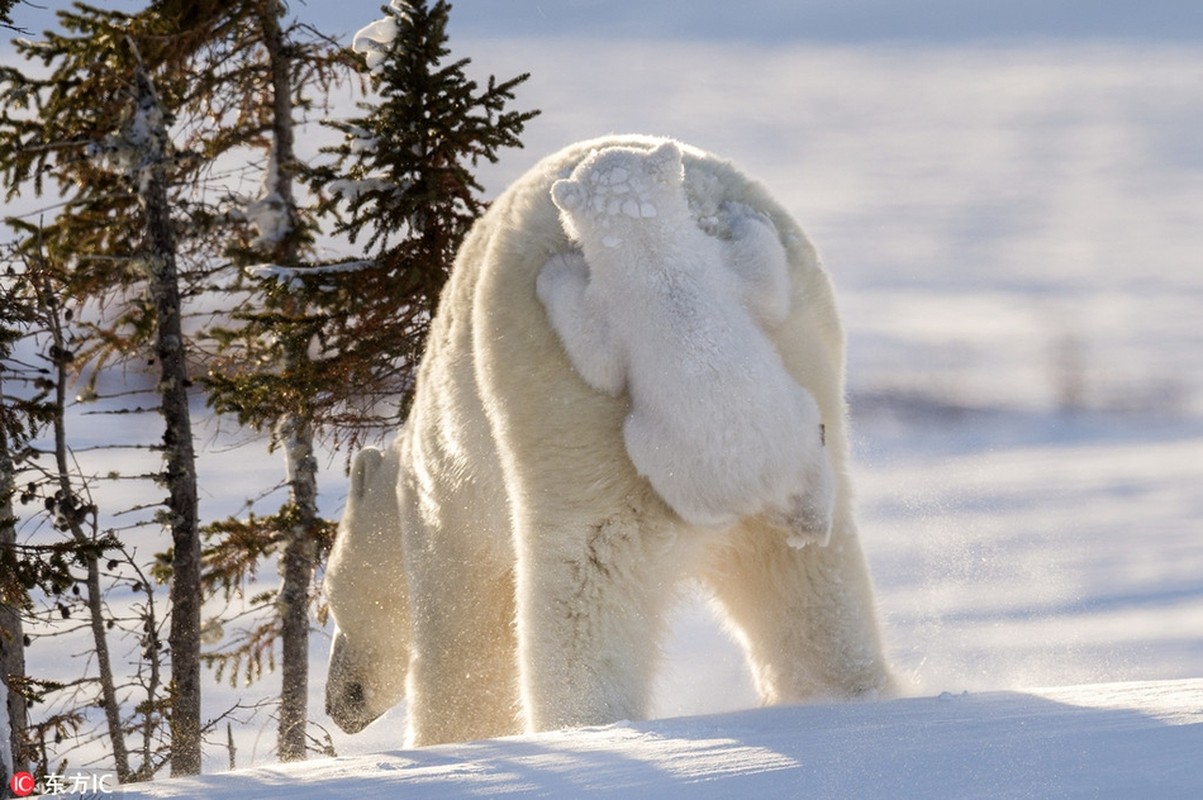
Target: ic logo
<point>22,784</point>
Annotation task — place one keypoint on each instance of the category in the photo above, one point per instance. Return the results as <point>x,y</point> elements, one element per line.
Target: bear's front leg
<point>584,331</point>
<point>758,259</point>
<point>592,596</point>
<point>463,682</point>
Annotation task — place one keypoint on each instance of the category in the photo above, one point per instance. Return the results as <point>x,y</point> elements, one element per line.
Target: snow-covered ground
<point>1103,741</point>
<point>1015,233</point>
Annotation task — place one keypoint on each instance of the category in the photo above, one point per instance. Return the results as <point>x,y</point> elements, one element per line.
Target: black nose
<point>353,695</point>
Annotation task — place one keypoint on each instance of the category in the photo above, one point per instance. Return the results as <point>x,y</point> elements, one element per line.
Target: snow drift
<point>1119,740</point>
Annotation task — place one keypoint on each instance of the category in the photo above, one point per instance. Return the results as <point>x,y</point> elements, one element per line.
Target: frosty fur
<point>654,306</point>
<point>366,588</point>
<point>538,566</point>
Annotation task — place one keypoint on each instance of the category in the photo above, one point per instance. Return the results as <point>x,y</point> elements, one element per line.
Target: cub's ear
<point>665,161</point>
<point>567,194</point>
<point>366,462</point>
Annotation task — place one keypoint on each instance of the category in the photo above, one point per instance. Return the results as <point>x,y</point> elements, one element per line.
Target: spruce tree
<point>263,371</point>
<point>56,499</point>
<point>401,182</point>
<point>98,128</point>
<point>323,344</point>
<point>20,419</point>
<point>294,426</point>
<point>6,20</point>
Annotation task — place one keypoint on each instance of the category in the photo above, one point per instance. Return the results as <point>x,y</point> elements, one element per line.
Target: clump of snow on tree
<point>135,146</point>
<point>291,277</point>
<point>269,215</point>
<point>374,41</point>
<point>288,277</point>
<point>351,190</point>
<point>362,142</point>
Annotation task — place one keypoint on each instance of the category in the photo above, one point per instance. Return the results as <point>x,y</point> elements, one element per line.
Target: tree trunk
<point>295,430</point>
<point>178,453</point>
<point>12,633</point>
<point>104,663</point>
<point>297,572</point>
<point>6,754</point>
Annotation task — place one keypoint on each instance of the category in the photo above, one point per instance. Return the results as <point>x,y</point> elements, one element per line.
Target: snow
<point>293,278</point>
<point>351,190</point>
<point>268,215</point>
<point>362,141</point>
<point>1013,230</point>
<point>1103,741</point>
<point>282,273</point>
<point>289,277</point>
<point>374,41</point>
<point>137,147</point>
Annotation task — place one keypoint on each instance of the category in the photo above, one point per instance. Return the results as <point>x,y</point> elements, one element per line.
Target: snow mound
<point>1109,740</point>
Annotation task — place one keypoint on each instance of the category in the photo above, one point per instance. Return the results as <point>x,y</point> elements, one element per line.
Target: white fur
<point>658,307</point>
<point>367,593</point>
<point>539,564</point>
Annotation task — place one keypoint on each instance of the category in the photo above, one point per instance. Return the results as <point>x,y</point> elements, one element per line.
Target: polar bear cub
<point>653,305</point>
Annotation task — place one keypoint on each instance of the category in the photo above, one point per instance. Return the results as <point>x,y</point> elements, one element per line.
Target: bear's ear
<point>567,194</point>
<point>366,462</point>
<point>665,161</point>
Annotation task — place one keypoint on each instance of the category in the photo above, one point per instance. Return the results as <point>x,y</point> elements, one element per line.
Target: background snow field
<point>1015,232</point>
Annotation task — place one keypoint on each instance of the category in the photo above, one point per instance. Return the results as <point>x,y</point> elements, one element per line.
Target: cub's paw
<point>808,514</point>
<point>746,222</point>
<point>563,273</point>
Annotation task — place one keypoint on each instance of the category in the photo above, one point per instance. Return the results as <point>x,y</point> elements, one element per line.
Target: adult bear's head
<point>366,587</point>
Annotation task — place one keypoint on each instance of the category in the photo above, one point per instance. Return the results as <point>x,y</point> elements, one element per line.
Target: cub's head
<point>617,187</point>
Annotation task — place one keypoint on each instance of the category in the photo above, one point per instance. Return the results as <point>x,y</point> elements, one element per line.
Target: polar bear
<point>654,306</point>
<point>367,592</point>
<point>538,565</point>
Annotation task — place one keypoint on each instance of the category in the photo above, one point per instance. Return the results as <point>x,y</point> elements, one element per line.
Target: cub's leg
<point>807,516</point>
<point>583,329</point>
<point>755,254</point>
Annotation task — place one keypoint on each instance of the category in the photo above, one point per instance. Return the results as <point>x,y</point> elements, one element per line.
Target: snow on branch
<point>361,140</point>
<point>268,215</point>
<point>352,190</point>
<point>137,144</point>
<point>292,276</point>
<point>374,41</point>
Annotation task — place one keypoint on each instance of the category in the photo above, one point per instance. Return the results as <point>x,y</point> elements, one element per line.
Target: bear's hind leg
<point>805,617</point>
